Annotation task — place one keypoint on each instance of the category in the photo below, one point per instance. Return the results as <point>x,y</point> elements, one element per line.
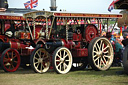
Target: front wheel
<point>10,60</point>
<point>100,52</point>
<point>40,60</point>
<point>62,60</point>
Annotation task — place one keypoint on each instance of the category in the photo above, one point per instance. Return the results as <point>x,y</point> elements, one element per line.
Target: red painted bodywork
<point>80,52</point>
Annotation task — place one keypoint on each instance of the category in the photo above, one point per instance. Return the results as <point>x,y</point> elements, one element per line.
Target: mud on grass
<point>83,77</point>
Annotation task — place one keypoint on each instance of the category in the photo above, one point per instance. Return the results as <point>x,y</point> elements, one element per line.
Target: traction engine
<point>64,45</point>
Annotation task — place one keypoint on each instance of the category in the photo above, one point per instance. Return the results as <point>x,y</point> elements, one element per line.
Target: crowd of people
<point>118,43</point>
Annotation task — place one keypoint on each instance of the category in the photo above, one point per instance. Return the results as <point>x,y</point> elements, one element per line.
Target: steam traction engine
<point>63,41</point>
<point>15,42</point>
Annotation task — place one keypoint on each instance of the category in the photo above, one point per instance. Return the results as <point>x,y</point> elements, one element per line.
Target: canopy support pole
<point>114,25</point>
<point>51,26</point>
<point>47,37</point>
<point>107,25</point>
<point>34,27</point>
<point>29,29</point>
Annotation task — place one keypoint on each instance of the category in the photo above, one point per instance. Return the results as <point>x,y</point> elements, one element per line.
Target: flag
<point>31,4</point>
<point>111,6</point>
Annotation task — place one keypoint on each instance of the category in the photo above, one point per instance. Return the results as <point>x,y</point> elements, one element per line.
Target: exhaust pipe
<point>3,5</point>
<point>53,5</point>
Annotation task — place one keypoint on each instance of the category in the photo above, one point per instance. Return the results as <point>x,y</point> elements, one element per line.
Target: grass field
<point>84,77</point>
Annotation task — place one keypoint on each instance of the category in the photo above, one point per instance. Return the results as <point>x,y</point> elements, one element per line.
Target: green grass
<point>85,77</point>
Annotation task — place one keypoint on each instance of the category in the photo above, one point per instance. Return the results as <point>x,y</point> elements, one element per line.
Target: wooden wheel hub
<point>99,54</point>
<point>62,60</point>
<point>40,60</point>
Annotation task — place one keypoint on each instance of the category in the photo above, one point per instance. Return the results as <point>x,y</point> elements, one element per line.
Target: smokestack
<point>3,5</point>
<point>53,5</point>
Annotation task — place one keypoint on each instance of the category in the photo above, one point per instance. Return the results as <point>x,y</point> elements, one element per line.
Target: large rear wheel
<point>100,52</point>
<point>125,60</point>
<point>10,60</point>
<point>62,60</point>
<point>40,60</point>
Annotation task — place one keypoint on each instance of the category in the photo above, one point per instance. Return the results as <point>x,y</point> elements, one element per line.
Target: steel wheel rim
<point>11,60</point>
<point>63,60</point>
<point>102,54</point>
<point>41,60</point>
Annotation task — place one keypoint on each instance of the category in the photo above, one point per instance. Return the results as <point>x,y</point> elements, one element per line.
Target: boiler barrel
<point>15,45</point>
<point>4,46</point>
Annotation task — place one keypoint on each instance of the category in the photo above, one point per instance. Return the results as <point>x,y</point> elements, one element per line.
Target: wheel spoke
<point>67,60</point>
<point>98,46</point>
<point>107,56</point>
<point>100,62</point>
<point>38,54</point>
<point>45,57</point>
<point>9,66</point>
<point>12,66</point>
<point>95,52</point>
<point>6,60</point>
<point>58,56</point>
<point>105,51</point>
<point>94,56</point>
<point>41,67</point>
<point>59,64</point>
<point>57,60</point>
<point>64,66</point>
<point>8,55</point>
<point>12,54</point>
<point>101,43</point>
<point>36,62</point>
<point>96,59</point>
<point>106,47</point>
<point>102,46</point>
<point>38,65</point>
<point>44,54</point>
<point>15,61</point>
<point>35,58</point>
<point>104,59</point>
<point>60,67</point>
<point>65,56</point>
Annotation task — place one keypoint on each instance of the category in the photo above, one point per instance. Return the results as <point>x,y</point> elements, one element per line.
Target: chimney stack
<point>3,5</point>
<point>53,5</point>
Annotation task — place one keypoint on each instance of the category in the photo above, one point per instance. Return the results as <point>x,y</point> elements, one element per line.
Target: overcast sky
<point>89,6</point>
